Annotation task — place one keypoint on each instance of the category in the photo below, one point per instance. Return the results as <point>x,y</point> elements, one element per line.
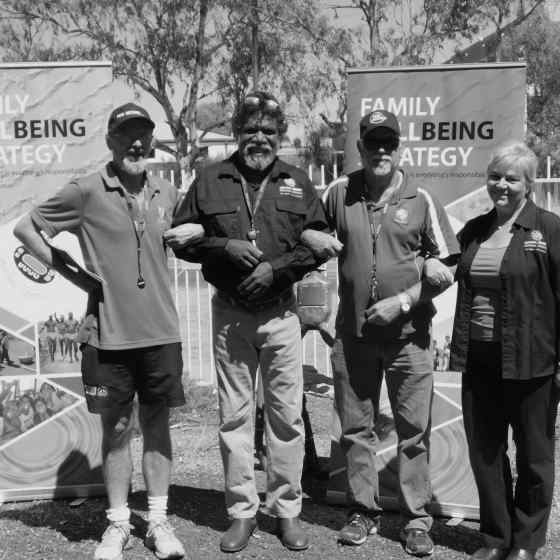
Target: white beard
<point>257,160</point>
<point>133,167</point>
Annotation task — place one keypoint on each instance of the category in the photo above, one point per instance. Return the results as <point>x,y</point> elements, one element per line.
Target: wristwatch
<point>405,301</point>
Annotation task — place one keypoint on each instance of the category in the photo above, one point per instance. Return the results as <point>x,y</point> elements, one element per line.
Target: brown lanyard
<point>252,208</point>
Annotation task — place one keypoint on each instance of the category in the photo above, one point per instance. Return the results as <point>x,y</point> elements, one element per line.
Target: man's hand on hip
<point>257,282</point>
<point>243,253</point>
<point>323,245</point>
<point>384,311</point>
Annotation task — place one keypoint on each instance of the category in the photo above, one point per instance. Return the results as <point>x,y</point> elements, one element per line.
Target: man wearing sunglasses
<point>391,231</point>
<point>254,207</point>
<point>130,340</point>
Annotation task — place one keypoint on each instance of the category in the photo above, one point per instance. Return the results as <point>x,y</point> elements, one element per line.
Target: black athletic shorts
<point>112,377</point>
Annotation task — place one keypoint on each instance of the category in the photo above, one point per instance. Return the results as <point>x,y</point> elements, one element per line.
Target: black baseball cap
<point>125,113</point>
<point>379,119</point>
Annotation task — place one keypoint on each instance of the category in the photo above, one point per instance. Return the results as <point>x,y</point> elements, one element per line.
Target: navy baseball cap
<point>127,112</point>
<point>379,119</point>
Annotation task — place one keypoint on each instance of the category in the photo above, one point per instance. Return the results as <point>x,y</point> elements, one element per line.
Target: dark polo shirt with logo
<point>94,208</point>
<point>412,227</point>
<point>288,206</point>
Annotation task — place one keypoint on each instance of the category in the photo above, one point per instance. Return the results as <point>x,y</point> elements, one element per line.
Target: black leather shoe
<point>485,553</point>
<point>521,554</point>
<point>237,537</point>
<point>292,534</point>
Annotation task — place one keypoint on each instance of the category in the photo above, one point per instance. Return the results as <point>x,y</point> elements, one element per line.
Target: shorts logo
<point>401,216</point>
<point>535,242</point>
<point>289,188</point>
<point>377,118</point>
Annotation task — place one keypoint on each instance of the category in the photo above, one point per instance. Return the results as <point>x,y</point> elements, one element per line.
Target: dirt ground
<point>56,530</point>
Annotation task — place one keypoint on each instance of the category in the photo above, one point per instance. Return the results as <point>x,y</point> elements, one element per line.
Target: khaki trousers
<point>243,341</point>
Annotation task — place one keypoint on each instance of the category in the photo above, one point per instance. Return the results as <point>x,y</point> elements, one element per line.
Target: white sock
<point>119,515</point>
<point>157,508</point>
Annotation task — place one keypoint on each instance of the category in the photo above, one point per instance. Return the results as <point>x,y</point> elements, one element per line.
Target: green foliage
<point>537,41</point>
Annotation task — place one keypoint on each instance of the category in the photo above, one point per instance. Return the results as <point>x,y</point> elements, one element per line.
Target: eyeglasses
<point>256,101</point>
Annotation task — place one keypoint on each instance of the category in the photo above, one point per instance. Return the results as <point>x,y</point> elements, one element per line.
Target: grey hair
<point>519,154</point>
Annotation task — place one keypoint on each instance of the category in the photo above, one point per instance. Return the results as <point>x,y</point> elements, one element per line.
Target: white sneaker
<point>114,540</point>
<point>162,540</point>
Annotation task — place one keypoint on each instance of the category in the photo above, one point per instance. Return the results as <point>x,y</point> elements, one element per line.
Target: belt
<point>286,298</point>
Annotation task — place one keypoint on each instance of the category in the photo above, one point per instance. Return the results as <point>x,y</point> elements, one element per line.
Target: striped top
<point>485,279</point>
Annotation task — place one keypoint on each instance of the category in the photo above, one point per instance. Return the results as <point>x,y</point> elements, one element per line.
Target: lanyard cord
<point>375,230</point>
<point>252,208</point>
<point>137,213</point>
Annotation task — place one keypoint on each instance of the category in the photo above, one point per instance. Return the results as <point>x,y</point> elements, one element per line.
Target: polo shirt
<point>288,206</point>
<point>94,208</point>
<point>413,226</point>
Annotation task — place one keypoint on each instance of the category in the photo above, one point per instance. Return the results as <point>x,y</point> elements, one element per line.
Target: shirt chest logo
<point>289,188</point>
<point>401,216</point>
<point>535,242</point>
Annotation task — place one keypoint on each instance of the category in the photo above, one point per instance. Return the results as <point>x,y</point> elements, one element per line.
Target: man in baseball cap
<point>130,339</point>
<point>392,228</point>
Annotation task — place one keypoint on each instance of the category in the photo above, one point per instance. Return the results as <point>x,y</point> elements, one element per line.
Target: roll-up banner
<point>451,117</point>
<point>52,128</point>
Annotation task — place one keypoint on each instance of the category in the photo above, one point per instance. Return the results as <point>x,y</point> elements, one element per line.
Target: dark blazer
<point>530,282</point>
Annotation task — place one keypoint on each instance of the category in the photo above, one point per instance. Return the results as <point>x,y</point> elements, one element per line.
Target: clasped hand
<point>182,235</point>
<point>243,254</point>
<point>384,311</point>
<point>323,245</point>
<point>436,273</point>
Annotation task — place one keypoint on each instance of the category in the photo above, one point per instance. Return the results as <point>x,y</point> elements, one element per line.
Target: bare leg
<point>117,461</point>
<point>156,460</point>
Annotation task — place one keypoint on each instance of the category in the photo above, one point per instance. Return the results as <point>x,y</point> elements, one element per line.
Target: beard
<point>133,166</point>
<point>257,157</point>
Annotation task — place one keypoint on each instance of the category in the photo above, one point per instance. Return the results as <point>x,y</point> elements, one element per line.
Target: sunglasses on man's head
<point>255,101</point>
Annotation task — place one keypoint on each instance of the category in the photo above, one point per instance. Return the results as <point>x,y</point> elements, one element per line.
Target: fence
<point>193,297</point>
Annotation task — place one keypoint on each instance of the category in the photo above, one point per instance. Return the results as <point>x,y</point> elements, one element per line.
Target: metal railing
<point>193,299</point>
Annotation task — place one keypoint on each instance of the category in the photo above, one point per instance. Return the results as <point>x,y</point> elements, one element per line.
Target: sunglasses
<point>388,144</point>
<point>255,102</point>
<point>130,137</point>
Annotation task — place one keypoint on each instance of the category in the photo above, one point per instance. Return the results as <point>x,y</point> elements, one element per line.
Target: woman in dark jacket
<point>505,341</point>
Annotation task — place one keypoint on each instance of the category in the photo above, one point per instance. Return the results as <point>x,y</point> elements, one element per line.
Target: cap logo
<point>377,118</point>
